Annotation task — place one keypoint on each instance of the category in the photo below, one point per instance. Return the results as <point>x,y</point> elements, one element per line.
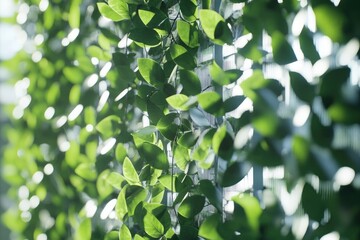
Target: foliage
<point>122,122</point>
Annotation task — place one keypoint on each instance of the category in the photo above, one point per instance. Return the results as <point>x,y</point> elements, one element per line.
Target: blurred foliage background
<point>180,119</point>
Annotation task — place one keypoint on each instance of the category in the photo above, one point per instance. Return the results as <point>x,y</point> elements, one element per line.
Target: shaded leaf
<point>282,50</point>
<point>191,206</point>
<point>303,90</point>
<point>182,57</point>
<point>190,82</point>
<point>151,71</point>
<point>154,156</point>
<point>211,102</point>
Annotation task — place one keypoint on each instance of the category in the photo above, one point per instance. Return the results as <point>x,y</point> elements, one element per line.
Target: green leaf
<point>223,143</point>
<point>134,195</point>
<point>188,33</point>
<point>181,157</point>
<point>86,171</point>
<point>109,126</point>
<point>146,134</point>
<point>74,14</point>
<point>212,193</point>
<point>215,27</point>
<point>211,102</point>
<point>182,57</point>
<point>109,13</point>
<point>307,45</point>
<point>84,230</point>
<point>233,103</point>
<point>155,19</point>
<point>154,156</point>
<point>151,71</point>
<point>145,36</point>
<point>282,50</point>
<point>121,208</point>
<point>322,135</point>
<point>209,227</point>
<point>302,89</point>
<point>190,82</point>
<point>187,140</point>
<point>115,179</point>
<point>168,125</point>
<point>266,153</point>
<point>129,172</point>
<point>312,203</point>
<point>222,77</point>
<point>330,21</point>
<point>121,8</point>
<point>234,173</point>
<point>153,226</point>
<point>181,102</point>
<point>191,206</point>
<point>189,10</point>
<point>73,75</point>
<point>168,181</point>
<point>124,233</point>
<point>252,209</point>
<point>120,152</point>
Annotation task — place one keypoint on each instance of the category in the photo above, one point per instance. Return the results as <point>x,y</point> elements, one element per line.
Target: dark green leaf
<point>312,203</point>
<point>212,193</point>
<point>307,45</point>
<point>322,135</point>
<point>168,125</point>
<point>303,90</point>
<point>234,173</point>
<point>191,206</point>
<point>145,36</point>
<point>190,82</point>
<point>154,156</point>
<point>189,10</point>
<point>282,50</point>
<point>233,103</point>
<point>223,143</point>
<point>252,209</point>
<point>182,57</point>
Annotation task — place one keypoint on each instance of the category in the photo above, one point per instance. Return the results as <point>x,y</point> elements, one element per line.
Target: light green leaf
<point>121,208</point>
<point>168,181</point>
<point>209,228</point>
<point>154,156</point>
<point>188,33</point>
<point>124,233</point>
<point>120,152</point>
<point>191,206</point>
<point>252,209</point>
<point>182,57</point>
<point>109,126</point>
<point>222,77</point>
<point>86,171</point>
<point>330,21</point>
<point>151,71</point>
<point>153,226</point>
<point>211,102</point>
<point>108,12</point>
<point>181,102</point>
<point>121,8</point>
<point>115,179</point>
<point>215,27</point>
<point>129,172</point>
<point>84,230</point>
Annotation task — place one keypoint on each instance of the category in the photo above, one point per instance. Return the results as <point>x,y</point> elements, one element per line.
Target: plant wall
<point>124,130</point>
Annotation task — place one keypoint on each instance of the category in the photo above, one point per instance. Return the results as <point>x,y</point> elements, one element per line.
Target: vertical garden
<point>183,119</point>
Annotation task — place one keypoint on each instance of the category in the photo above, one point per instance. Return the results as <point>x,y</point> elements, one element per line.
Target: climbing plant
<point>136,118</point>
